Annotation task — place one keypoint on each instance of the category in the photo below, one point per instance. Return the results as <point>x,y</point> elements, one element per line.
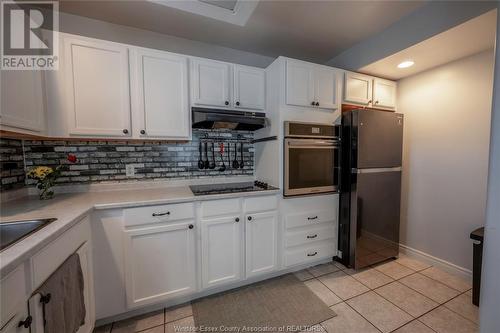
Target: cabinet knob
<point>249,218</point>
<point>313,103</point>
<point>237,103</point>
<point>191,226</point>
<point>376,102</point>
<point>317,103</point>
<point>143,131</point>
<point>125,131</point>
<point>226,102</point>
<point>237,219</point>
<point>26,322</point>
<point>369,102</point>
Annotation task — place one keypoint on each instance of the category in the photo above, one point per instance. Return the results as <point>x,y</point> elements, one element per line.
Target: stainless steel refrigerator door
<point>375,216</point>
<point>379,140</point>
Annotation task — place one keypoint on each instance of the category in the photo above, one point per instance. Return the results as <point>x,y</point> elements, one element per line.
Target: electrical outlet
<point>130,170</point>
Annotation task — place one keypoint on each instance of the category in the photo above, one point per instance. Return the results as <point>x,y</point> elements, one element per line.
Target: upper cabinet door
<point>249,88</point>
<point>22,102</point>
<point>325,81</point>
<point>384,94</point>
<point>98,87</point>
<point>299,83</point>
<point>211,83</point>
<point>162,87</point>
<point>357,88</point>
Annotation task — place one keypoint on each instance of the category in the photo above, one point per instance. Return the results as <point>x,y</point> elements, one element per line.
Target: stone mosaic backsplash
<point>106,161</point>
<point>11,164</point>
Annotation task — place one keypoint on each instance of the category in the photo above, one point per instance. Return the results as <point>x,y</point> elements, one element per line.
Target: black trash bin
<point>478,237</point>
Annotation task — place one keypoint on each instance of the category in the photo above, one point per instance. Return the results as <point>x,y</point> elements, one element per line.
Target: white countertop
<point>70,208</point>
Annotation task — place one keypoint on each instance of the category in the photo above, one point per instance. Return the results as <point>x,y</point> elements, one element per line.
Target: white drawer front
<point>220,207</point>
<point>310,235</point>
<point>310,218</point>
<point>13,291</point>
<point>158,213</point>
<point>313,252</point>
<point>45,262</point>
<point>260,204</point>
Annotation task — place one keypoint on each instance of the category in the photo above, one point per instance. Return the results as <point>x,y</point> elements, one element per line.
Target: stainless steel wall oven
<point>311,161</point>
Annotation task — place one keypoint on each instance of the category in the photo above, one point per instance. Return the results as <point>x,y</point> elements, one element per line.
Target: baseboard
<point>434,261</point>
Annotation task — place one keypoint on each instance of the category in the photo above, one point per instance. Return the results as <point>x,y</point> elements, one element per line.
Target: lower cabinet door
<point>16,323</point>
<point>221,241</point>
<point>261,243</point>
<point>159,263</point>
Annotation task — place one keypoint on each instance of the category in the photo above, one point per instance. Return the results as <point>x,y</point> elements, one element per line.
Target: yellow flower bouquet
<point>45,178</point>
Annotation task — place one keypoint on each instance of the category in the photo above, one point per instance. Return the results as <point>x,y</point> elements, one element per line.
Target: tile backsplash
<point>106,161</point>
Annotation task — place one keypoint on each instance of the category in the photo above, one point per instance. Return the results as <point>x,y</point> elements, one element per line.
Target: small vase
<point>45,193</point>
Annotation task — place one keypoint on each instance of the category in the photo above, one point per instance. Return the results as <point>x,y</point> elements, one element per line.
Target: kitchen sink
<point>13,232</point>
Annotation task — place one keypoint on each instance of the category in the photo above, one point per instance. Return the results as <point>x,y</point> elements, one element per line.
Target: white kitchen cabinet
<point>221,248</point>
<point>161,85</point>
<point>160,263</point>
<point>311,85</point>
<point>357,88</point>
<point>22,100</point>
<point>384,94</point>
<point>249,88</point>
<point>261,242</point>
<point>211,82</point>
<point>97,88</point>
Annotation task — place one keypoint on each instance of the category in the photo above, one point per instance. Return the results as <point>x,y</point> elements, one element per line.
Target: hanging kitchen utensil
<point>236,165</point>
<point>212,164</point>
<point>201,165</point>
<point>221,150</point>
<point>206,164</point>
<point>242,164</point>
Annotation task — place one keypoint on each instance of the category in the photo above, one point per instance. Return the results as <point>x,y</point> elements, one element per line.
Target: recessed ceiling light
<point>406,64</point>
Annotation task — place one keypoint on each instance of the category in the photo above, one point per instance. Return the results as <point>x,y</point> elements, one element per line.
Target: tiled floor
<point>402,296</point>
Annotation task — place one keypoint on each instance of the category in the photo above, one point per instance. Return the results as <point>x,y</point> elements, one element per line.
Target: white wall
<point>445,161</point>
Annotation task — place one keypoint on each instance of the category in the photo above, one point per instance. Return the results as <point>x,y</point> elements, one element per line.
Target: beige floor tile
<point>443,320</point>
<point>103,329</point>
<point>371,277</point>
<point>407,299</point>
<point>412,263</point>
<point>380,312</point>
<point>339,265</point>
<point>414,327</point>
<point>182,325</point>
<point>347,321</point>
<point>157,329</point>
<point>323,269</point>
<point>303,275</point>
<point>394,270</point>
<point>325,294</point>
<point>436,291</point>
<point>178,312</point>
<point>448,279</point>
<point>139,323</point>
<point>343,285</point>
<point>464,307</point>
<point>469,292</point>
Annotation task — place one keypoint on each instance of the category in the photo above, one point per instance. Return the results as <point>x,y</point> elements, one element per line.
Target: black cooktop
<point>230,188</point>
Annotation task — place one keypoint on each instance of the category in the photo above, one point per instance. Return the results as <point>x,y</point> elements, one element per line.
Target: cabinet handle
<point>161,214</point>
<point>370,101</point>
<point>26,323</point>
<point>226,102</point>
<point>143,131</point>
<point>376,102</point>
<point>312,236</point>
<point>249,218</point>
<point>125,131</point>
<point>237,219</point>
<point>237,103</point>
<point>312,218</point>
<point>191,226</point>
<point>317,103</point>
<point>313,103</point>
<point>312,254</point>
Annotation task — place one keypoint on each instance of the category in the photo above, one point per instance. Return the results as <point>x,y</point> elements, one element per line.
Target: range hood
<point>228,119</point>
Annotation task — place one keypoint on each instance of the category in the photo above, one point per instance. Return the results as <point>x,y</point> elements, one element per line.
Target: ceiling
<point>310,30</point>
<point>468,38</point>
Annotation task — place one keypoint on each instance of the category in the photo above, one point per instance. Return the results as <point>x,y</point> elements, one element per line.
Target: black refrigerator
<point>370,188</point>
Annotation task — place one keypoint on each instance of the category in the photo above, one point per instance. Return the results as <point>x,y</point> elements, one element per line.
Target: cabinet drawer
<point>310,235</point>
<point>260,204</point>
<point>313,252</point>
<point>13,291</point>
<point>220,207</point>
<point>45,262</point>
<point>310,218</point>
<point>159,213</point>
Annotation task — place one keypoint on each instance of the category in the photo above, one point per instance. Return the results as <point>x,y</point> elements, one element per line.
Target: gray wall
<point>489,320</point>
<point>84,26</point>
<point>445,164</point>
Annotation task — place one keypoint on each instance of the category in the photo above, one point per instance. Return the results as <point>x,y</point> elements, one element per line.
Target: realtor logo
<point>29,40</point>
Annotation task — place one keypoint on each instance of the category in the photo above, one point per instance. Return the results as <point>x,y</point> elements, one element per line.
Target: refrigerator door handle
<point>376,170</point>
